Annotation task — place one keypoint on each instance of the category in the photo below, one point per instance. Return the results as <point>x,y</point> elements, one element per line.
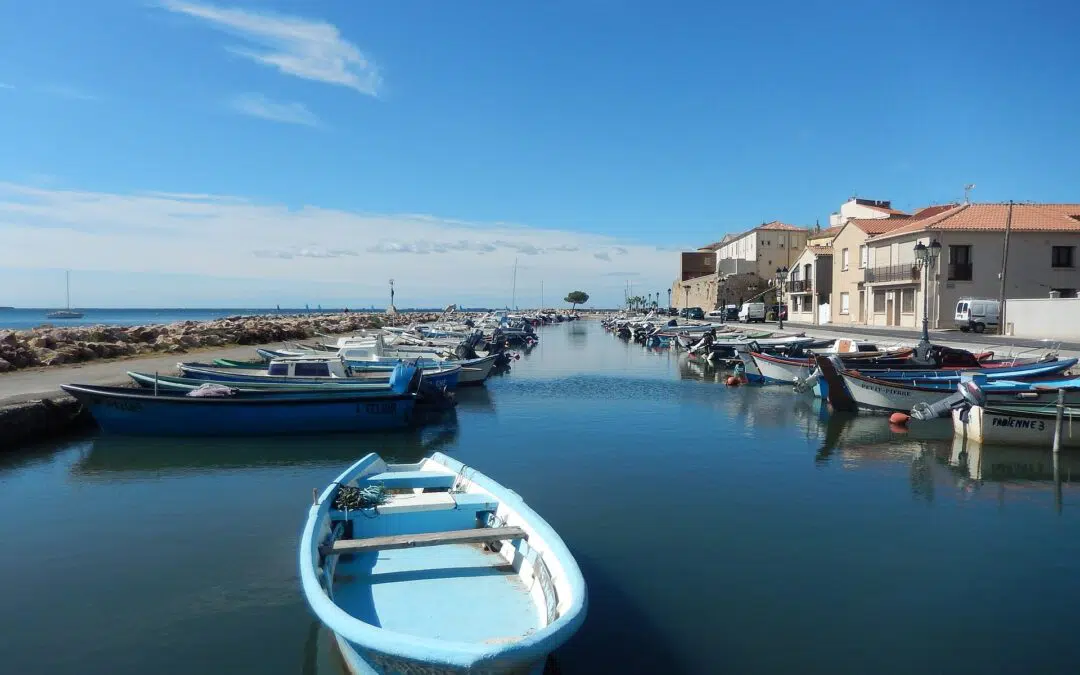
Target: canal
<point>719,529</point>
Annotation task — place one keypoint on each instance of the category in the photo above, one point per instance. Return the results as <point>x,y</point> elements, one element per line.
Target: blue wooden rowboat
<point>452,574</point>
<point>168,383</point>
<point>123,410</point>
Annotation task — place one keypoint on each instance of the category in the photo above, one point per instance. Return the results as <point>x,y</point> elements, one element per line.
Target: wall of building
<point>1029,273</point>
<point>695,264</point>
<point>1043,318</point>
<point>847,281</point>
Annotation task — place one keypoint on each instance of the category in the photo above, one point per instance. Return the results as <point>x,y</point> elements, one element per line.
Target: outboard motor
<point>805,384</point>
<point>969,394</point>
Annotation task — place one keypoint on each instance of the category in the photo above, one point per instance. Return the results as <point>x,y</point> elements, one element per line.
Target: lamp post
<point>781,276</point>
<point>669,298</point>
<point>686,299</point>
<point>926,257</point>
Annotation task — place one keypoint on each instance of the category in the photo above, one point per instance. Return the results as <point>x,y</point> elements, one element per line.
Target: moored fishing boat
<point>1017,424</point>
<point>229,412</point>
<point>314,370</point>
<point>186,384</point>
<point>435,568</point>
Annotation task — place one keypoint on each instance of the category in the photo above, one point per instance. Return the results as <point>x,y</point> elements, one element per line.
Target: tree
<point>576,298</point>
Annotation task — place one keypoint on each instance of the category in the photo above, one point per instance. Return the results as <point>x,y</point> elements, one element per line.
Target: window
<point>960,263</point>
<point>1066,292</point>
<point>907,301</point>
<point>845,303</point>
<point>879,302</point>
<point>312,370</point>
<point>864,256</point>
<point>280,369</point>
<point>844,260</point>
<point>1062,256</point>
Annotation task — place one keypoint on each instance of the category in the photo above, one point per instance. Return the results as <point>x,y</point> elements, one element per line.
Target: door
<point>862,306</point>
<point>896,311</point>
<point>889,310</point>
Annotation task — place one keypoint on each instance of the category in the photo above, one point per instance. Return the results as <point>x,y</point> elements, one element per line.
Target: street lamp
<point>669,298</point>
<point>686,300</point>
<point>781,276</point>
<point>926,257</point>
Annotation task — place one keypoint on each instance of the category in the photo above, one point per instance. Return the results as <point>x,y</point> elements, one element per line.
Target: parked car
<point>751,312</point>
<point>977,314</point>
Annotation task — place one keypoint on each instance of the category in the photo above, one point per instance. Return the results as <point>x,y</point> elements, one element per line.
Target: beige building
<point>1042,249</point>
<point>851,257</point>
<point>809,286</point>
<point>737,267</point>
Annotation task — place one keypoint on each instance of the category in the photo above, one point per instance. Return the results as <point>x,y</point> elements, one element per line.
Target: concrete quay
<point>33,407</point>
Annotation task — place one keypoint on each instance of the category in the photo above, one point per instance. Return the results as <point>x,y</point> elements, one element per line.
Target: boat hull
<point>378,630</point>
<point>148,415</point>
<point>445,377</point>
<point>1015,427</point>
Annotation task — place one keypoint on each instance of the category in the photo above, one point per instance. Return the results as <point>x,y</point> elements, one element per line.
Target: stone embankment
<point>52,346</point>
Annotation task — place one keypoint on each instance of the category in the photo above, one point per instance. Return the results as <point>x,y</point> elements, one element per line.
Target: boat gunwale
<point>465,655</point>
<point>172,397</point>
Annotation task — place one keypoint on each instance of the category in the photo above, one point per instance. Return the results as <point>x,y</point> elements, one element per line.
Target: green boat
<point>247,365</point>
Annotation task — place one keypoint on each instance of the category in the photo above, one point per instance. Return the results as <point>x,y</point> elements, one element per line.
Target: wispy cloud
<point>50,228</point>
<point>257,105</point>
<point>305,48</point>
<point>5,85</point>
<point>66,91</point>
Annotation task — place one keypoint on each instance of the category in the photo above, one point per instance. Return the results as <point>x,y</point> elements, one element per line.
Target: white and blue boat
<point>316,370</point>
<point>435,568</point>
<point>123,410</point>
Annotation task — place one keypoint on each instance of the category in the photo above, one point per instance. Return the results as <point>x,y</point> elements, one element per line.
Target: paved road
<point>37,383</point>
<point>943,336</point>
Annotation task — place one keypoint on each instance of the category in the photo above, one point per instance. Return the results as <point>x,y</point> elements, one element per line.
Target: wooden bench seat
<point>410,479</point>
<point>473,536</point>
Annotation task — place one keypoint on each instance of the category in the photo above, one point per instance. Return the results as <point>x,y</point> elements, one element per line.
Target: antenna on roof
<point>967,192</point>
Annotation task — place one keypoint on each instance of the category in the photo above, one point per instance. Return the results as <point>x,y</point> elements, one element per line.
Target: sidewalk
<point>971,341</point>
<point>44,383</point>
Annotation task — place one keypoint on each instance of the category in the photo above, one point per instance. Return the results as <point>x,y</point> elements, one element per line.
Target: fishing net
<point>368,497</point>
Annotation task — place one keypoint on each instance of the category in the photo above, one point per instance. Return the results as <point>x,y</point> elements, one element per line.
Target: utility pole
<point>1004,267</point>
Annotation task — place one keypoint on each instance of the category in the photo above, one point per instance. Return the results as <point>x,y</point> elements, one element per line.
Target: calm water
<point>719,530</point>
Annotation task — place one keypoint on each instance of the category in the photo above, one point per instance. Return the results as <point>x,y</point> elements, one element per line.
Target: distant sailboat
<point>66,313</point>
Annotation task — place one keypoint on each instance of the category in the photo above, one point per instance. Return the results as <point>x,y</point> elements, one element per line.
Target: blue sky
<point>195,151</point>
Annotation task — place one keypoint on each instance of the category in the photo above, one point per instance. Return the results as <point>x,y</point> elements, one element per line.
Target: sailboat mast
<point>67,288</point>
<point>513,292</point>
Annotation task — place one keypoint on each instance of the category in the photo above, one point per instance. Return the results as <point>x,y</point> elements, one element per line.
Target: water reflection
<point>107,455</point>
<point>475,400</point>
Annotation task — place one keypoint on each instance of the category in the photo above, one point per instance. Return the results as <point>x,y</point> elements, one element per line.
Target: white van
<point>977,314</point>
<point>751,312</point>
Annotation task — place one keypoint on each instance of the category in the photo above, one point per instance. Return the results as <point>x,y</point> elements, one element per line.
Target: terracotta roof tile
<point>826,233</point>
<point>820,250</point>
<point>777,225</point>
<point>872,226</point>
<point>882,209</point>
<point>992,217</point>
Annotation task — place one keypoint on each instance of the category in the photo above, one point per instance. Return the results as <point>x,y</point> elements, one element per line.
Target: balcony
<point>960,271</point>
<point>800,286</point>
<point>880,275</point>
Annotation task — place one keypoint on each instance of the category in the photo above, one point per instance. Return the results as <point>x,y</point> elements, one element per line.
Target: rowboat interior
<point>442,558</point>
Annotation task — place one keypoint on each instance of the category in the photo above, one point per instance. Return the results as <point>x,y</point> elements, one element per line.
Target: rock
<point>5,366</point>
<point>9,338</point>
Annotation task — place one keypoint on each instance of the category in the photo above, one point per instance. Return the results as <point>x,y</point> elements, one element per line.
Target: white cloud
<point>218,236</point>
<point>66,91</point>
<point>257,105</point>
<point>305,48</point>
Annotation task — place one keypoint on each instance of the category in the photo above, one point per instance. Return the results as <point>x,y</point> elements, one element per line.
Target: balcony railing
<point>892,273</point>
<point>800,286</point>
<point>959,271</point>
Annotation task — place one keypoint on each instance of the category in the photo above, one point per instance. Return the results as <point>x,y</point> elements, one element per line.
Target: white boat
<point>451,573</point>
<point>1028,425</point>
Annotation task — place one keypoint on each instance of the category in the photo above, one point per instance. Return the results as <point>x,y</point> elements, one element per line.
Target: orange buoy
<point>899,418</point>
<point>733,381</point>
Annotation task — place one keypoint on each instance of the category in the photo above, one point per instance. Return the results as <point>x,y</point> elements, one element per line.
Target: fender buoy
<point>733,381</point>
<point>899,418</point>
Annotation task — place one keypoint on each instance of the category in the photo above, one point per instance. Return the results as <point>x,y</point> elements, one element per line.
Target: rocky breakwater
<point>52,346</point>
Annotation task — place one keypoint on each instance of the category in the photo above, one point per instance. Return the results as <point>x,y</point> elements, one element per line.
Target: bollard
<point>1057,422</point>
